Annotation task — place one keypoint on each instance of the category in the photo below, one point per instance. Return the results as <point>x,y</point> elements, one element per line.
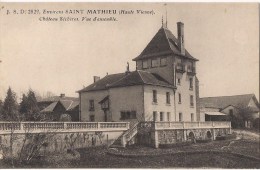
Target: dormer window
<point>145,64</point>
<point>154,63</point>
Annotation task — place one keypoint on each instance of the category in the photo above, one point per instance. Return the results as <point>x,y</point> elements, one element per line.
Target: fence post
<point>98,125</point>
<point>123,142</point>
<point>229,127</point>
<point>21,126</point>
<point>65,125</point>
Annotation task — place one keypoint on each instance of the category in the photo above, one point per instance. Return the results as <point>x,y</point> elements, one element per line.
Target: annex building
<point>164,86</point>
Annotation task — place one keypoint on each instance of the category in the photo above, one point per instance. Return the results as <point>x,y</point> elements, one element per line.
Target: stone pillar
<point>123,141</point>
<point>230,128</point>
<point>64,125</point>
<point>185,135</point>
<point>22,127</point>
<point>155,139</point>
<point>213,134</point>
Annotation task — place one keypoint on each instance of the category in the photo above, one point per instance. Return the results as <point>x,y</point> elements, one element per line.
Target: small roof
<point>67,104</point>
<point>104,99</point>
<point>138,77</point>
<point>163,43</point>
<point>73,105</point>
<point>215,114</point>
<point>239,101</point>
<point>57,98</point>
<point>50,108</point>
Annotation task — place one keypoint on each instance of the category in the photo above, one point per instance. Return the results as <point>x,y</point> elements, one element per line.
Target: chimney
<point>127,69</point>
<point>62,95</point>
<point>180,28</point>
<point>96,78</point>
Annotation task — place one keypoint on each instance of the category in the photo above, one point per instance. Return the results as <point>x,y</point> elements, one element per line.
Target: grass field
<point>97,157</point>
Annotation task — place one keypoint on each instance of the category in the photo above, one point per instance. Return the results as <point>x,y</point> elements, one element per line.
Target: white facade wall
<point>97,96</point>
<point>184,89</point>
<point>167,72</point>
<point>128,98</point>
<point>161,105</point>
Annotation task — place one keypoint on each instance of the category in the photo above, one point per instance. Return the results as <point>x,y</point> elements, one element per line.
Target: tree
<point>10,107</point>
<point>23,106</point>
<point>243,117</point>
<point>29,106</point>
<point>1,110</point>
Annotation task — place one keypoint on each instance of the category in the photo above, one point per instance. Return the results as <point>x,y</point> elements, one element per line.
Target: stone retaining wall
<point>55,142</point>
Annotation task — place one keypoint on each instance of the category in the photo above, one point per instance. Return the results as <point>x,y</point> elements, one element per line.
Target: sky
<point>63,57</point>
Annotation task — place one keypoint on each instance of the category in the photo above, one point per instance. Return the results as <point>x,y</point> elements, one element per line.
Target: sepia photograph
<point>129,85</point>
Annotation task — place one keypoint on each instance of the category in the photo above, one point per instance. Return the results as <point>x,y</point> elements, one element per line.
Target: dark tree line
<point>27,110</point>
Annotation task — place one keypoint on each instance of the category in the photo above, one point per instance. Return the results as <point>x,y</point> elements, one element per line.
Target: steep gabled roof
<point>221,102</point>
<point>138,77</point>
<point>163,43</point>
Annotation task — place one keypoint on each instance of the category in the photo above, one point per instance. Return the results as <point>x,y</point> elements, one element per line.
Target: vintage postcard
<point>129,85</point>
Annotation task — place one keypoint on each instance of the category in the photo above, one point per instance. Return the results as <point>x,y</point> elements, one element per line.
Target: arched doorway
<point>192,137</point>
<point>209,135</point>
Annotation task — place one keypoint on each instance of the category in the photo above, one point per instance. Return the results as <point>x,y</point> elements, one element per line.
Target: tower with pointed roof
<point>167,56</point>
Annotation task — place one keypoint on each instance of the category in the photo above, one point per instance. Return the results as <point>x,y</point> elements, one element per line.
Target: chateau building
<point>164,86</point>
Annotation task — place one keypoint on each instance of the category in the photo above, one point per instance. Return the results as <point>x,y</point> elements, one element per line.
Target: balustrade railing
<point>9,126</point>
<point>187,125</point>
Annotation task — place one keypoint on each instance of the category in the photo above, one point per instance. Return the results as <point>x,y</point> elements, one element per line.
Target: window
<point>154,96</point>
<point>192,117</point>
<point>145,64</point>
<point>179,97</point>
<point>231,112</point>
<point>180,117</point>
<point>191,83</point>
<point>154,116</point>
<point>179,81</point>
<point>154,63</point>
<point>168,116</point>
<point>92,118</point>
<point>161,116</point>
<point>163,62</point>
<point>168,98</point>
<point>191,101</point>
<point>91,105</point>
<point>189,68</point>
<point>128,115</point>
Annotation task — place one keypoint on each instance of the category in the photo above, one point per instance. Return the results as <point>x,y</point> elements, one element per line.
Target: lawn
<point>146,157</point>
